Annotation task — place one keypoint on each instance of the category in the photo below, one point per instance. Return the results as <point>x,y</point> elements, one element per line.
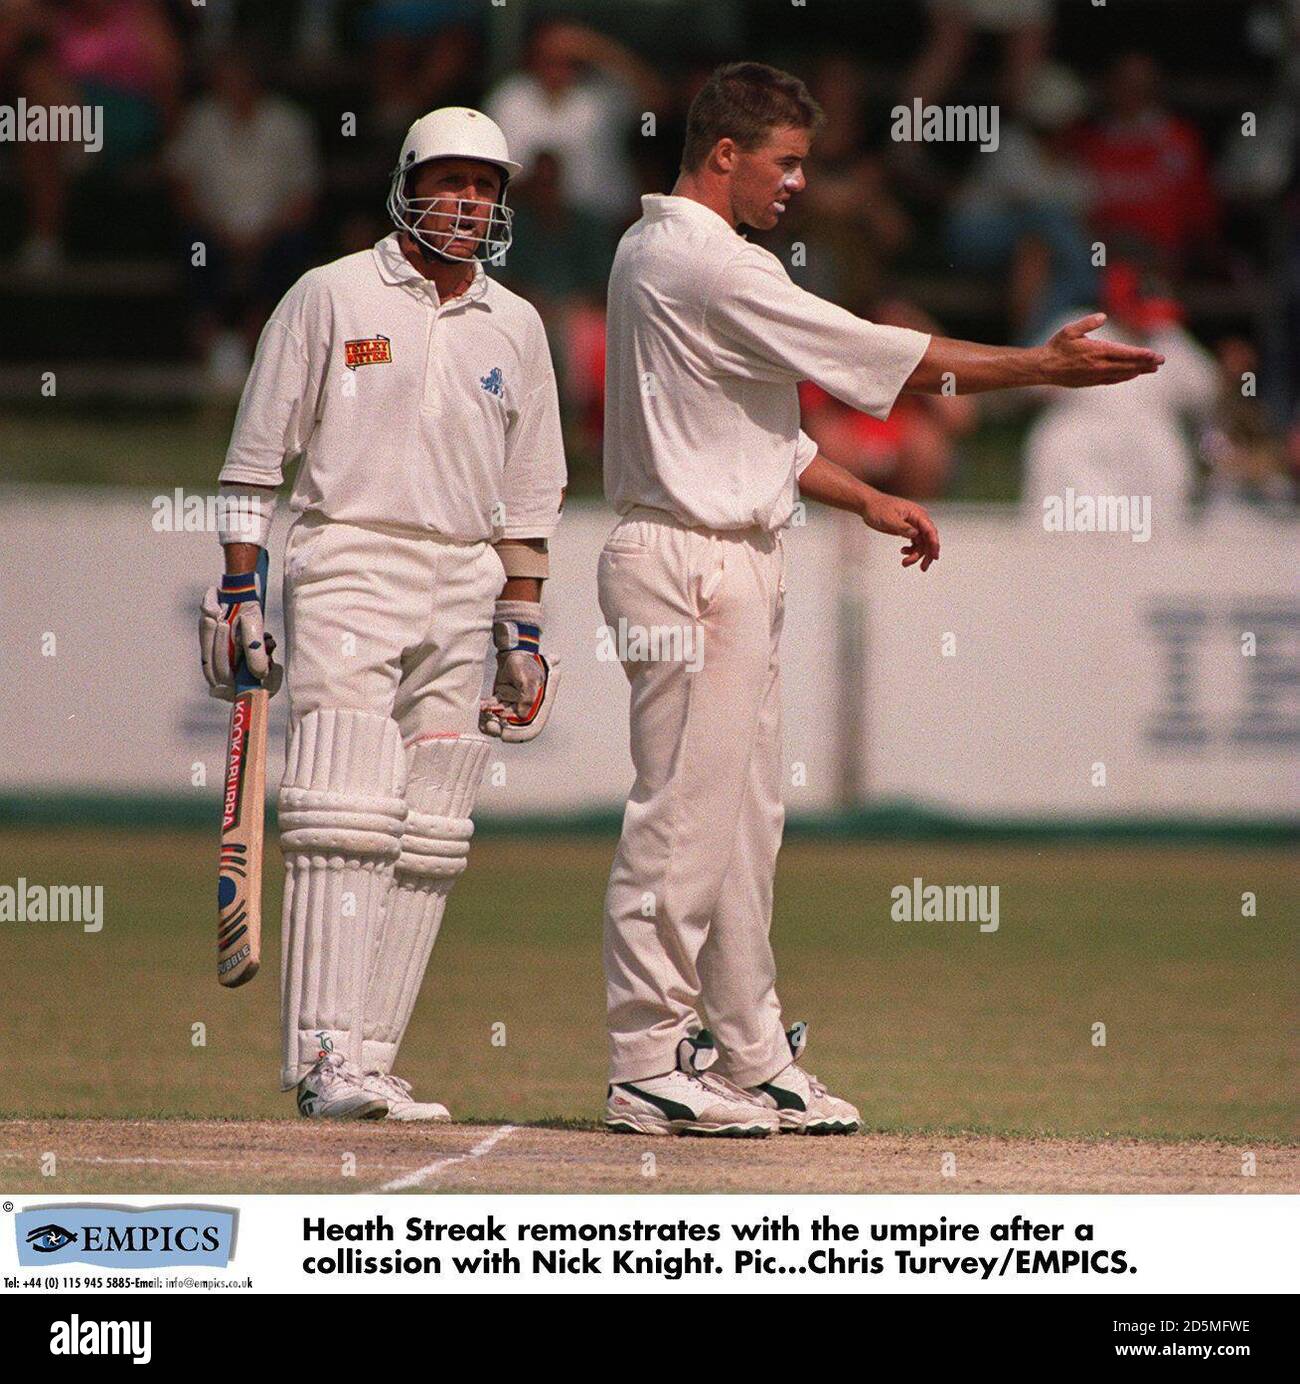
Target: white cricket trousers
<point>387,623</point>
<point>387,637</point>
<point>689,907</point>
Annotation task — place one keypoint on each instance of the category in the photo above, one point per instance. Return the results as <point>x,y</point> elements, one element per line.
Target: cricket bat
<point>243,805</point>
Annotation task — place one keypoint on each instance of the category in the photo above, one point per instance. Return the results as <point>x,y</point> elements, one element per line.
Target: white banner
<point>101,647</point>
<point>1087,675</point>
<point>664,1244</point>
<point>1027,673</point>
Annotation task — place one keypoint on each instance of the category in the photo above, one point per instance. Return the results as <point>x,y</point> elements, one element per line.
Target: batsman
<point>420,397</point>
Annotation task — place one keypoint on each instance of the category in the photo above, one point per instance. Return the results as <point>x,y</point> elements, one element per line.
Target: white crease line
<point>422,1175</point>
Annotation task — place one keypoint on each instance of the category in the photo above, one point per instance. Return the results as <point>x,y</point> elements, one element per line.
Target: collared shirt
<point>431,417</point>
<point>707,340</point>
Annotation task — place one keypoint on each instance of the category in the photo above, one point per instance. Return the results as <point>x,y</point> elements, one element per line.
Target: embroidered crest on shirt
<point>367,350</point>
<point>493,382</point>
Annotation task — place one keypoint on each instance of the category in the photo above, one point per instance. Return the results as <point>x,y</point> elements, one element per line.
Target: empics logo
<point>367,350</point>
<point>125,1237</point>
<point>45,1239</point>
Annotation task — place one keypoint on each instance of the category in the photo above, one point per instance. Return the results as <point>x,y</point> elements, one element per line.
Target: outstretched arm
<point>823,480</point>
<point>1071,358</point>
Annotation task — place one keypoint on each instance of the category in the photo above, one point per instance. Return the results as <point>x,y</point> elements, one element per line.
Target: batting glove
<point>526,680</point>
<point>230,625</point>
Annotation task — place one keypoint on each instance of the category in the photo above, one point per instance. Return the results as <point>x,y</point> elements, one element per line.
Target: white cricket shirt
<point>431,417</point>
<point>707,340</point>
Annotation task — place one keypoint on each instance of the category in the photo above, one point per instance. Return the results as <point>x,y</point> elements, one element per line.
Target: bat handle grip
<point>244,680</point>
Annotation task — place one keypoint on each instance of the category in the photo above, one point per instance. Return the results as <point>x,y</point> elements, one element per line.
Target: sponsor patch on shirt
<point>368,350</point>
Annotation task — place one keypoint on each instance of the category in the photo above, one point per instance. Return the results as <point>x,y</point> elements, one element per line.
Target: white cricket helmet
<point>454,132</point>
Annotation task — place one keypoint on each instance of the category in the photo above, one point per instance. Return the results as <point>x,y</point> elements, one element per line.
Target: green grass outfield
<point>929,1026</point>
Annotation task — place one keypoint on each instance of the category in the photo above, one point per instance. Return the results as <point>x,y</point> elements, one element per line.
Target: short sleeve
<point>764,327</point>
<point>277,408</point>
<point>805,449</point>
<point>535,474</point>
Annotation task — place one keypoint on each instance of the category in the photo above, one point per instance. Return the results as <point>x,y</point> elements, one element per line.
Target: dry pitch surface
<point>215,1157</point>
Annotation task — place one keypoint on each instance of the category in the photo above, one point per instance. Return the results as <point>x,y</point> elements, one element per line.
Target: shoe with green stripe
<point>689,1100</point>
<point>802,1104</point>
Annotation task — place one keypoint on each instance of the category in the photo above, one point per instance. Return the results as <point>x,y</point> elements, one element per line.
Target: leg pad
<point>341,819</point>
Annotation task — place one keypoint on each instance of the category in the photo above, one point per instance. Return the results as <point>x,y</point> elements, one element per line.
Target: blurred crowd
<point>265,133</point>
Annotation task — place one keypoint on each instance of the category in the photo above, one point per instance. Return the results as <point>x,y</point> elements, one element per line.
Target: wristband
<point>236,588</point>
<point>517,625</point>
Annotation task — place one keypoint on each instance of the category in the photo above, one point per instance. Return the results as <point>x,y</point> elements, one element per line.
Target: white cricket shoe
<point>690,1100</point>
<point>401,1104</point>
<point>333,1090</point>
<point>802,1104</point>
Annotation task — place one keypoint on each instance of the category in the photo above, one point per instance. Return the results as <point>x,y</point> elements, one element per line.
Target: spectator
<point>1150,169</point>
<point>578,98</point>
<point>422,54</point>
<point>1245,452</point>
<point>847,219</point>
<point>1022,216</point>
<point>658,160</point>
<point>1024,25</point>
<point>559,260</point>
<point>118,55</point>
<point>1133,440</point>
<point>912,452</point>
<point>560,251</point>
<point>245,170</point>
